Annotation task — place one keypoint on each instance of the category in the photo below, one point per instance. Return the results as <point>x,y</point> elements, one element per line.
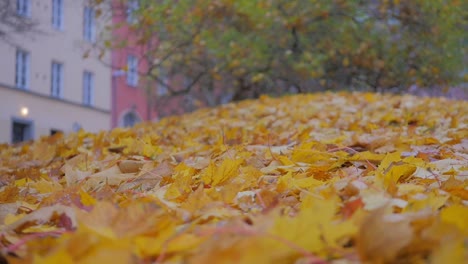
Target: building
<point>46,84</point>
<point>131,94</point>
<point>135,97</point>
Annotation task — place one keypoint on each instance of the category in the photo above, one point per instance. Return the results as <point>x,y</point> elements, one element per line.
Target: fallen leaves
<point>325,178</point>
<point>380,239</point>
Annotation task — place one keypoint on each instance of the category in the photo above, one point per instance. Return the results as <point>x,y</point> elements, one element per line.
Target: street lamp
<point>24,111</point>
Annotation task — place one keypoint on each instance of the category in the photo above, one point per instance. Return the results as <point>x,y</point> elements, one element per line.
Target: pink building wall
<point>126,98</point>
<point>142,100</point>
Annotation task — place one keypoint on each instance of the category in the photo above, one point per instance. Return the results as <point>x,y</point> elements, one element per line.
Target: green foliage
<point>249,47</point>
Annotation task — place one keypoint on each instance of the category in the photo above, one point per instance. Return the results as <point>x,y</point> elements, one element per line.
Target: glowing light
<point>24,111</point>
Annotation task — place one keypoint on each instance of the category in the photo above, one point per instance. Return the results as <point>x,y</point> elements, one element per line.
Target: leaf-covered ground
<point>325,178</point>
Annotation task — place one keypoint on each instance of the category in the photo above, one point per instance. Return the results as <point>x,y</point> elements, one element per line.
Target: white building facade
<point>46,83</point>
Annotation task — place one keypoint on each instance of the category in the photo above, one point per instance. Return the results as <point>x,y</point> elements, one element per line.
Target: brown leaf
<point>43,215</point>
<point>130,166</point>
<point>381,239</point>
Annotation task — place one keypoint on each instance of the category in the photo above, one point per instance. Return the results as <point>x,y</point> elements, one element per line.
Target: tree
<point>12,23</point>
<point>246,47</point>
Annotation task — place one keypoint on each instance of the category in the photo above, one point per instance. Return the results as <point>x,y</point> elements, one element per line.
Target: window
<point>56,89</point>
<point>132,7</point>
<point>57,14</point>
<point>23,8</point>
<point>132,74</point>
<point>21,130</point>
<point>130,119</point>
<point>22,69</point>
<point>55,131</point>
<point>89,32</point>
<point>88,88</point>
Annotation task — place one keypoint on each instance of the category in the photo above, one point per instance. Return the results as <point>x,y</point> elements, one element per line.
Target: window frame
<point>132,71</point>
<point>54,131</point>
<point>58,7</point>
<point>132,6</point>
<point>88,88</point>
<point>23,61</point>
<point>23,8</point>
<point>130,119</point>
<point>28,134</point>
<point>57,73</point>
<point>89,24</point>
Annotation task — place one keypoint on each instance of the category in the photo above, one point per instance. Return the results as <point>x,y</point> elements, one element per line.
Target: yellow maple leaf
<point>11,218</point>
<point>55,257</point>
<point>87,199</point>
<point>285,160</point>
<point>366,155</point>
<point>40,229</point>
<point>166,242</point>
<point>283,183</point>
<point>451,251</point>
<point>315,227</point>
<point>22,182</point>
<point>306,183</point>
<point>228,169</point>
<point>395,173</point>
<point>45,186</point>
<point>288,182</point>
<point>456,215</point>
<point>310,156</point>
<point>432,200</point>
<point>388,160</point>
<point>182,181</point>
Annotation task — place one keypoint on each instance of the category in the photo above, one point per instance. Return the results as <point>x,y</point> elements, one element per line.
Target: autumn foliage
<point>251,47</point>
<point>324,178</point>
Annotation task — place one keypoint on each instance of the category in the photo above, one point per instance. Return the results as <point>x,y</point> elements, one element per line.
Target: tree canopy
<point>247,48</point>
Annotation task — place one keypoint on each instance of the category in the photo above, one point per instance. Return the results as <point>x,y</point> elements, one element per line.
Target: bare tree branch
<point>11,23</point>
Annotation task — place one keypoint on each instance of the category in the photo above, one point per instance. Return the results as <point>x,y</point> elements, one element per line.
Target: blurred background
<point>67,65</point>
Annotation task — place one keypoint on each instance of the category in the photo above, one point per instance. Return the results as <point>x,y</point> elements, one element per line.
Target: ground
<point>322,178</point>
